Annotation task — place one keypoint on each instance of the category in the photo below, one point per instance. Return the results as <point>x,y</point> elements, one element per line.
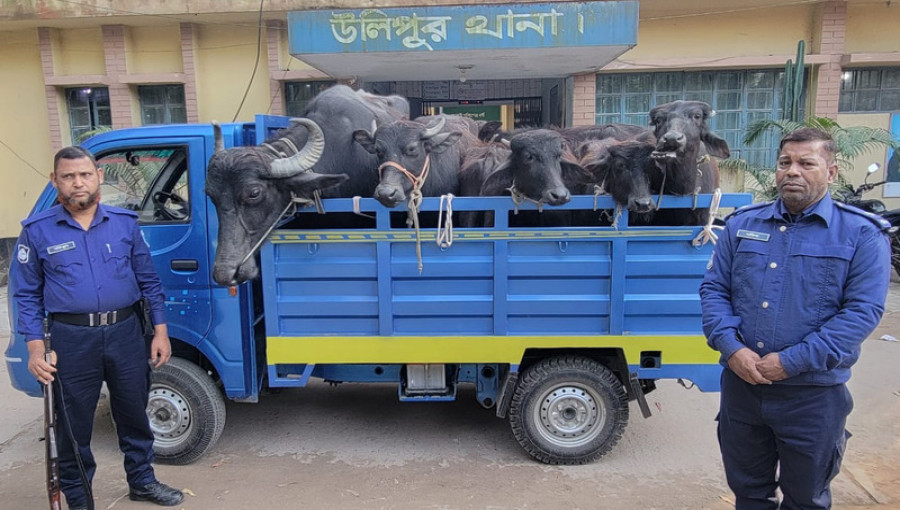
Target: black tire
<point>186,411</point>
<point>568,410</point>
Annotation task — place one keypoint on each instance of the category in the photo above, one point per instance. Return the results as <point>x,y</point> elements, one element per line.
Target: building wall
<point>25,160</point>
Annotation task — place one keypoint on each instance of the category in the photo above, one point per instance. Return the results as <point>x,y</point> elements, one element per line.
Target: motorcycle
<point>854,197</point>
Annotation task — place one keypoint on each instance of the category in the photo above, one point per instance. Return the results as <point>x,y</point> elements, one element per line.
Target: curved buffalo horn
<point>306,157</point>
<point>435,129</point>
<point>217,134</point>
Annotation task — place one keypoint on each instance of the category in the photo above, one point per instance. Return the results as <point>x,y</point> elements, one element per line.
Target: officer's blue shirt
<point>64,268</point>
<point>811,289</point>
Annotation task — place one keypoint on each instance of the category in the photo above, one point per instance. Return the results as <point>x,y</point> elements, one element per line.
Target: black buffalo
<point>540,168</point>
<point>683,157</point>
<point>403,147</point>
<point>620,169</point>
<point>252,186</point>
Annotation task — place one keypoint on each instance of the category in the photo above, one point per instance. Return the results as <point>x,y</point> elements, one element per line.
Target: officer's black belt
<point>95,319</point>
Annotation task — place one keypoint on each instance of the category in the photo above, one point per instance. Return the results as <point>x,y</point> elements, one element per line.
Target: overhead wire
<point>255,64</point>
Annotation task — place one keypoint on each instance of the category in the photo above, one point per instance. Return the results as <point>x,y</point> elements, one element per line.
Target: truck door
<point>162,180</point>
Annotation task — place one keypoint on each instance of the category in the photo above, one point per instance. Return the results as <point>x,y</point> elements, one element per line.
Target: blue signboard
<point>502,26</point>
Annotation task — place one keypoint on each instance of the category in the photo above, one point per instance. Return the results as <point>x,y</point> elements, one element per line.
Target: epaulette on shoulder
<point>47,213</point>
<point>750,207</point>
<point>879,221</point>
<point>119,210</point>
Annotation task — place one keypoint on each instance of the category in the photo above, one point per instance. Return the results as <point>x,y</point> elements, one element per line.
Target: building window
<point>88,111</point>
<point>162,104</point>
<point>298,93</point>
<point>738,97</point>
<point>870,90</point>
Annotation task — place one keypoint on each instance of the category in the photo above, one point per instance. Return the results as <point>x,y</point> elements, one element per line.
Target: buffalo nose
<point>672,138</point>
<point>643,204</point>
<point>388,195</point>
<point>558,196</point>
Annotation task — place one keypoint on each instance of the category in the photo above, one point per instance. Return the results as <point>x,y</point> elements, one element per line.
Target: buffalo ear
<point>498,182</point>
<point>442,141</point>
<point>305,183</point>
<point>365,139</point>
<point>715,145</point>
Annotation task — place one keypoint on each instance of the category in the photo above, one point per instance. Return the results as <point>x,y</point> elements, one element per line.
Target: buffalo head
<point>402,147</point>
<point>680,127</point>
<point>540,167</point>
<point>251,188</point>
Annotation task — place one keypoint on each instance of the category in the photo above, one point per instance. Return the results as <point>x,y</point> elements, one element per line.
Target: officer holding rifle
<point>86,266</point>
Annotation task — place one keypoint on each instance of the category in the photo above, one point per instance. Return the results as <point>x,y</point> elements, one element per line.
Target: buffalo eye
<point>412,151</point>
<point>252,195</point>
<point>697,116</point>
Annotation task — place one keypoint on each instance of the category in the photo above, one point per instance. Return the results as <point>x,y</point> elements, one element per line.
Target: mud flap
<point>634,388</point>
<point>506,393</point>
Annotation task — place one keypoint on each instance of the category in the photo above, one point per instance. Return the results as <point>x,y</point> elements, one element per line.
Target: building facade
<point>68,69</point>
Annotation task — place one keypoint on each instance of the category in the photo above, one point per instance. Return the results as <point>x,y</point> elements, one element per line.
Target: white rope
<point>284,214</point>
<point>357,211</point>
<point>598,190</point>
<point>615,223</point>
<point>519,198</point>
<point>444,236</point>
<point>708,233</point>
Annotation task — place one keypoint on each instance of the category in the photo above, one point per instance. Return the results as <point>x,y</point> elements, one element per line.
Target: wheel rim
<point>569,415</point>
<point>170,415</point>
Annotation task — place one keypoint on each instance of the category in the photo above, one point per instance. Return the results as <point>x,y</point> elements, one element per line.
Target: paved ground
<point>356,447</point>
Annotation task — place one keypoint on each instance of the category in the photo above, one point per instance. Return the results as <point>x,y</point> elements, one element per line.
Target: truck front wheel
<point>568,410</point>
<point>186,411</point>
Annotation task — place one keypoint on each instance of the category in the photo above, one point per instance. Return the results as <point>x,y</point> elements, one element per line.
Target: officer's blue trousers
<point>87,356</point>
<point>797,429</point>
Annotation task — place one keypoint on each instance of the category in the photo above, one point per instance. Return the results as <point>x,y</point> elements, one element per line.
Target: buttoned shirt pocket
<point>67,266</point>
<point>750,260</point>
<point>824,268</point>
<point>118,258</point>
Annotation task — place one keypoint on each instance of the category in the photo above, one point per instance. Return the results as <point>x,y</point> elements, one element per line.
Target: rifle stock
<point>52,454</point>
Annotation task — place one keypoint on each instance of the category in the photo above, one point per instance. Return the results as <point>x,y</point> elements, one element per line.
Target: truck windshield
<point>151,181</point>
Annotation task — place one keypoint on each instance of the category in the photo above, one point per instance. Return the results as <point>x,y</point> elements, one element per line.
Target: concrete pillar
<point>274,29</point>
<point>45,42</point>
<point>119,93</point>
<point>584,100</point>
<point>189,69</point>
<point>831,36</point>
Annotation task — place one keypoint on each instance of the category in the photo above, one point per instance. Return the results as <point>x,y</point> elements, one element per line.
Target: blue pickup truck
<point>557,329</point>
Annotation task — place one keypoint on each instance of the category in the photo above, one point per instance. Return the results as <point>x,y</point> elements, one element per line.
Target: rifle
<point>52,455</point>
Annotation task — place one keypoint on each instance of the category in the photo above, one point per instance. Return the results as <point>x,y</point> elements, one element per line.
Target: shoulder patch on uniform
<point>746,208</point>
<point>23,254</point>
<point>879,221</point>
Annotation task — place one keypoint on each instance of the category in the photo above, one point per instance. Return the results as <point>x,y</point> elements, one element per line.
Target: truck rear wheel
<point>568,410</point>
<point>186,411</point>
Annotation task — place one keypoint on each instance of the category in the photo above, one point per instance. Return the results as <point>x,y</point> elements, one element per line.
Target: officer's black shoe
<point>78,507</point>
<point>156,492</point>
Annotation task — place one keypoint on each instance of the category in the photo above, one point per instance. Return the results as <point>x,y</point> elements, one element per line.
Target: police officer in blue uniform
<point>791,292</point>
<point>86,266</point>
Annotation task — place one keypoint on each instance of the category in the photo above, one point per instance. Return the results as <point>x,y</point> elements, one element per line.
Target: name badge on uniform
<point>56,248</point>
<point>756,236</point>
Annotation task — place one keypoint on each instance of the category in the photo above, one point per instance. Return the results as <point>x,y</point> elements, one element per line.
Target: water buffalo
<point>403,147</point>
<point>620,169</point>
<point>540,168</point>
<point>684,145</point>
<point>252,186</point>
